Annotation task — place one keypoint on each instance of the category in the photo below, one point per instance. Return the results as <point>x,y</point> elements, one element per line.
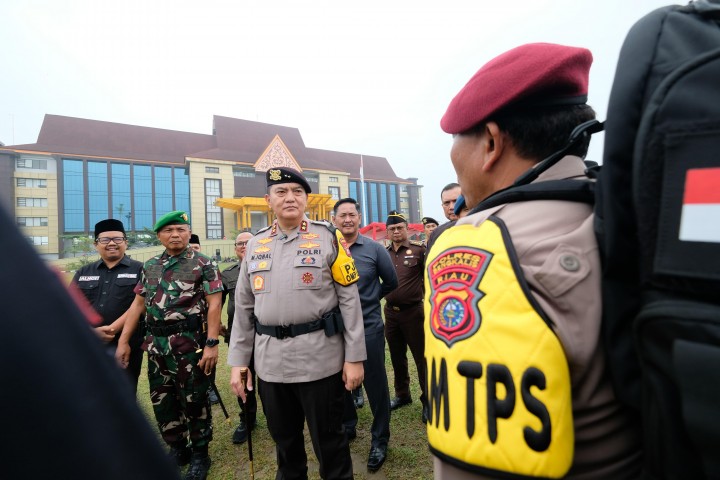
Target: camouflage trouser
<point>178,391</point>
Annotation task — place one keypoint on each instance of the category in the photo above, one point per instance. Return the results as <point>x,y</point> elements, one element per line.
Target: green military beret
<point>178,217</point>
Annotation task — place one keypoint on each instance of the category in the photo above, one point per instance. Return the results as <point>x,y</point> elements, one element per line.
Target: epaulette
<point>325,224</point>
<point>417,243</point>
<point>263,229</point>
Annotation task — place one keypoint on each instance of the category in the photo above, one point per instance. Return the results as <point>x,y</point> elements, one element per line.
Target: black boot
<point>199,466</point>
<point>240,434</point>
<point>180,454</point>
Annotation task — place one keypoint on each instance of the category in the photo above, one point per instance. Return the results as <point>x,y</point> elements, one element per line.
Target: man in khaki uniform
<point>516,369</point>
<point>296,300</point>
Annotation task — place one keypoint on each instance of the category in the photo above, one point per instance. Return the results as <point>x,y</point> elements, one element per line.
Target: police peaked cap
<point>532,75</point>
<point>178,217</point>
<point>276,176</point>
<point>395,217</point>
<point>109,225</point>
<point>426,220</point>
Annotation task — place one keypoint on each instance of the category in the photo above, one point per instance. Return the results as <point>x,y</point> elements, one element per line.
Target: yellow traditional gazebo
<point>319,207</point>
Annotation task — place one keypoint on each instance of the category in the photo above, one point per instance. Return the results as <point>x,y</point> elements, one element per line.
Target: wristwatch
<point>212,342</point>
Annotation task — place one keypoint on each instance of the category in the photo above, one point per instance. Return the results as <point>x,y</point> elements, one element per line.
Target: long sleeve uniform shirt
<point>377,279</point>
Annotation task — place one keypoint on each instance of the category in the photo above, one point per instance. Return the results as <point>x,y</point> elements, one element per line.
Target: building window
<point>163,190</point>
<point>121,194</point>
<point>32,182</point>
<point>334,179</point>
<point>34,164</point>
<point>335,192</point>
<point>212,169</point>
<point>38,240</point>
<point>32,221</point>
<point>354,191</point>
<point>213,213</point>
<point>403,188</point>
<point>97,182</point>
<point>143,197</point>
<point>31,202</point>
<point>393,197</point>
<point>244,172</point>
<point>73,196</point>
<point>182,190</point>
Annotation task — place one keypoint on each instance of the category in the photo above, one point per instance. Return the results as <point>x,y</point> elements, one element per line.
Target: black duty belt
<point>280,332</point>
<point>193,323</point>
<point>403,306</point>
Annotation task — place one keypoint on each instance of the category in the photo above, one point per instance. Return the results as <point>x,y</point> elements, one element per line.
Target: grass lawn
<point>408,455</point>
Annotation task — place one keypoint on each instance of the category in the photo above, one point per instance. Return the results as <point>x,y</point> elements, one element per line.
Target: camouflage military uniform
<point>174,289</point>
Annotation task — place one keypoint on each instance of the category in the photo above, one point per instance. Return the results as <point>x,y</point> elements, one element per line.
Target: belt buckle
<point>282,332</point>
<point>397,309</point>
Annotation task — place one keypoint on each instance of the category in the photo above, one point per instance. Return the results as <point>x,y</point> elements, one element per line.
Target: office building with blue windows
<point>81,171</point>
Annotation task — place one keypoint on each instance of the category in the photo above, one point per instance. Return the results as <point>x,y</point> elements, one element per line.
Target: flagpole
<point>362,192</point>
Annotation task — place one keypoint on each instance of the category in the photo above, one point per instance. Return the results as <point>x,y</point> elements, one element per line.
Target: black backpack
<point>659,236</point>
<point>661,259</point>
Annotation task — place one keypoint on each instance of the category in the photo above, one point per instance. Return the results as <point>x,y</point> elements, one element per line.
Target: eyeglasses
<point>241,244</point>
<point>106,240</point>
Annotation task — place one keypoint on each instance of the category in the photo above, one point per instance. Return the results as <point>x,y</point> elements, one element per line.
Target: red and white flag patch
<point>700,221</point>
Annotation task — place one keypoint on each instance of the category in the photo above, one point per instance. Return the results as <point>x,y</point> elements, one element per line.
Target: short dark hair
<point>537,133</point>
<point>346,200</point>
<point>447,187</point>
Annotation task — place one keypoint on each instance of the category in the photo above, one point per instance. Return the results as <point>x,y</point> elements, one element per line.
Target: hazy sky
<point>371,77</point>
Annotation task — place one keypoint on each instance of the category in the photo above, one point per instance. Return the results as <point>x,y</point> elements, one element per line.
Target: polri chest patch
<point>455,277</point>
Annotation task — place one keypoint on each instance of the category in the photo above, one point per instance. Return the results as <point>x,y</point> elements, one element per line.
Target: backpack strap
<point>582,191</point>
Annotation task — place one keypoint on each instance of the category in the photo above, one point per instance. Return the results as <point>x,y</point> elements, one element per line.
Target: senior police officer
<point>377,279</point>
<point>297,302</point>
<point>404,310</point>
<point>518,375</point>
<point>181,291</point>
<point>108,285</point>
<point>229,278</point>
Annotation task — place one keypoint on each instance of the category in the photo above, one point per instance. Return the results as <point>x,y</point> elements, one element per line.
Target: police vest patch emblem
<point>454,277</point>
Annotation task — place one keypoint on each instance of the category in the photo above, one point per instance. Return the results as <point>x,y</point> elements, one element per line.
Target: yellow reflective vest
<point>499,390</point>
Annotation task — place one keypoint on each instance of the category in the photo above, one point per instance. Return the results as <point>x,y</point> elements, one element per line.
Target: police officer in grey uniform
<point>296,301</point>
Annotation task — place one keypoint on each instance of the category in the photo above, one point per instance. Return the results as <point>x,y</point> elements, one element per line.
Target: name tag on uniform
<point>127,275</point>
<point>88,278</point>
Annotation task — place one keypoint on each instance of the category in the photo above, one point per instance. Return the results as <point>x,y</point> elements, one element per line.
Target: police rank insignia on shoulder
<point>416,243</point>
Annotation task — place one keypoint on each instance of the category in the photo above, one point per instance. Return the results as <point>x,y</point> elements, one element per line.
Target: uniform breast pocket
<point>307,273</point>
<point>259,271</point>
<point>89,289</point>
<point>125,287</point>
<point>411,261</point>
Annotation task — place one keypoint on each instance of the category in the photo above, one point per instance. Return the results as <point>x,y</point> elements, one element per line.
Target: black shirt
<point>110,290</point>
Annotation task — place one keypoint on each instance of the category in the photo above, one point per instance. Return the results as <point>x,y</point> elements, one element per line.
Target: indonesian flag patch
<point>700,221</point>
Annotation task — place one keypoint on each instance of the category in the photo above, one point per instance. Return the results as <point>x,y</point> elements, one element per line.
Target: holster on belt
<point>331,323</point>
